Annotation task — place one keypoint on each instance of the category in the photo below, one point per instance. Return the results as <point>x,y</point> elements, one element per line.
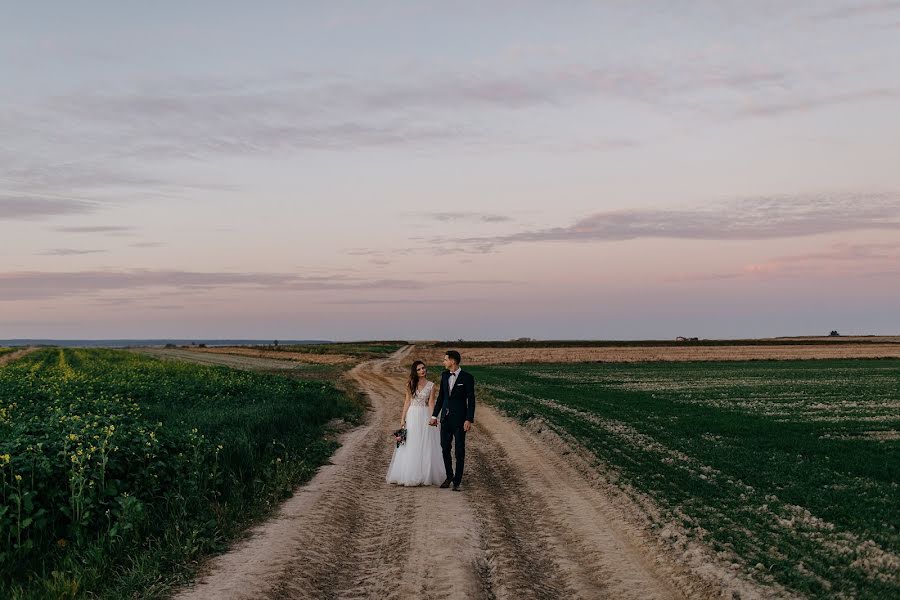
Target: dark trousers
<point>449,432</point>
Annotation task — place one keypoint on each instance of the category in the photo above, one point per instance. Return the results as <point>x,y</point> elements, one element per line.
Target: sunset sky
<point>444,170</point>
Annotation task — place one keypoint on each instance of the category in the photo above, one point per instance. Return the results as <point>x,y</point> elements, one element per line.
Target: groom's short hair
<point>454,356</point>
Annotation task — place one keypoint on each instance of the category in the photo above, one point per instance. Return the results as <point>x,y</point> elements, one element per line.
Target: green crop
<point>117,471</point>
<point>790,468</point>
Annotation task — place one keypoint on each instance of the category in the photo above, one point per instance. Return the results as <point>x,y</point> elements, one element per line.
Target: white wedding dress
<point>419,460</point>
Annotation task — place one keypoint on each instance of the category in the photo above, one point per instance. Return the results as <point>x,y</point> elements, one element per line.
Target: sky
<point>449,170</point>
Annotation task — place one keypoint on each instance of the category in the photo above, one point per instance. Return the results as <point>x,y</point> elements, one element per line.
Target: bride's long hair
<point>413,383</point>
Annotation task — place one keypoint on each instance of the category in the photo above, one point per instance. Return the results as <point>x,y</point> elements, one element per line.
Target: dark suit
<point>454,407</point>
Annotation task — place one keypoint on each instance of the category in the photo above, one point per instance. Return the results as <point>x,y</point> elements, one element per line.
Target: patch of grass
<point>119,471</point>
<point>792,467</point>
<point>361,350</point>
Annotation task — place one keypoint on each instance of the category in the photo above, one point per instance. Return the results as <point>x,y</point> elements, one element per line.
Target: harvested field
<point>844,339</point>
<point>496,356</point>
<point>303,357</point>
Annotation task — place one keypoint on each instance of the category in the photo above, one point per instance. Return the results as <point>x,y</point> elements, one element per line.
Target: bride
<point>418,461</point>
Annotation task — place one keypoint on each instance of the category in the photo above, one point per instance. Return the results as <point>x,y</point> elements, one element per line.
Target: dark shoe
<point>456,487</point>
<point>446,483</point>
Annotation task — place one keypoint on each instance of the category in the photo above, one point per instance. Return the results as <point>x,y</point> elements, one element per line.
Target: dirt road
<point>527,525</point>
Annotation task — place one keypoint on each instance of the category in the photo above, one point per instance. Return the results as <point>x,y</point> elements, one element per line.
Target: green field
<point>360,350</point>
<point>7,350</point>
<point>791,469</point>
<point>335,373</point>
<point>118,471</point>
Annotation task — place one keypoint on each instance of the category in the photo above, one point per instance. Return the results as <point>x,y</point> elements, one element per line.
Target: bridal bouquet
<point>400,436</point>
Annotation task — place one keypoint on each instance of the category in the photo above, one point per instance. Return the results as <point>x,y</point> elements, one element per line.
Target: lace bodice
<point>420,398</point>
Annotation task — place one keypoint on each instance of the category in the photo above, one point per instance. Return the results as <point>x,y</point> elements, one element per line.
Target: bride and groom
<point>425,458</point>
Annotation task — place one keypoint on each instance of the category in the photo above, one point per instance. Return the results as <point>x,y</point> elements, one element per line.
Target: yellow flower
<point>73,437</point>
<point>18,477</point>
<point>4,459</point>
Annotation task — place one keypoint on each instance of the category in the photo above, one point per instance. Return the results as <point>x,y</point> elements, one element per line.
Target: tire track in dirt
<point>549,533</point>
<point>527,525</point>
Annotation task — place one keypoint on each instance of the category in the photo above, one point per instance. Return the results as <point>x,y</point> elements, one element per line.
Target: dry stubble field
<point>432,352</point>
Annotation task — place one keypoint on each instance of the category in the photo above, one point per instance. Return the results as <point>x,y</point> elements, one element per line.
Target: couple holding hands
<point>426,456</point>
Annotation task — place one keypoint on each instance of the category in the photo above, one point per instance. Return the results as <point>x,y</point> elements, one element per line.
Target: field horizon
<point>225,341</point>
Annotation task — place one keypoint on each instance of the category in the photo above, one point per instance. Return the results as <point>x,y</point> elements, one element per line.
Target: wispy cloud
<point>758,218</point>
<point>846,259</point>
<point>14,207</point>
<point>812,102</point>
<point>44,285</point>
<point>110,229</point>
<point>197,119</point>
<point>449,217</point>
<point>405,301</point>
<point>70,252</point>
<point>845,253</point>
<point>859,10</point>
<point>83,175</point>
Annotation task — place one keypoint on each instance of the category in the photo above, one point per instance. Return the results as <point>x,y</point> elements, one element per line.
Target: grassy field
<point>118,471</point>
<point>791,469</point>
<point>346,355</point>
<point>7,350</point>
<point>360,350</point>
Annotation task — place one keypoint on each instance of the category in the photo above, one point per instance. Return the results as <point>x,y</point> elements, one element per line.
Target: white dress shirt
<point>452,381</point>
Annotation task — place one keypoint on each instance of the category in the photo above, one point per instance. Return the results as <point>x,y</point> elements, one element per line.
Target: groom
<point>456,406</point>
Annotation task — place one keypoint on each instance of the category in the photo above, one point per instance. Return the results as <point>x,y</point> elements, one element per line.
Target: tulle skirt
<point>418,461</point>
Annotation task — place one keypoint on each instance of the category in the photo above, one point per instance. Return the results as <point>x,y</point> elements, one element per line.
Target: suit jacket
<point>458,403</point>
